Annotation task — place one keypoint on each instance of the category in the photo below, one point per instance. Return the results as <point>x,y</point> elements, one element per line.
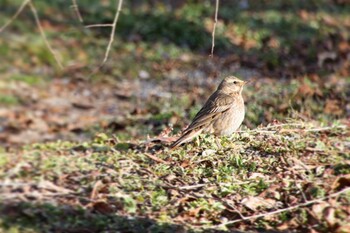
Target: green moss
<point>9,100</point>
<point>29,79</point>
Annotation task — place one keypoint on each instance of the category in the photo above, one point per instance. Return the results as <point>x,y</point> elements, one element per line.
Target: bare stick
<point>37,21</point>
<point>285,209</point>
<point>213,33</point>
<point>155,158</point>
<point>281,125</point>
<point>76,10</point>
<point>20,9</point>
<point>111,39</point>
<point>99,25</point>
<point>190,187</point>
<point>325,128</point>
<point>265,129</point>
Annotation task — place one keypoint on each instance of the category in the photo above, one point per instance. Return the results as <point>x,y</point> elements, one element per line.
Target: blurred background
<point>159,72</point>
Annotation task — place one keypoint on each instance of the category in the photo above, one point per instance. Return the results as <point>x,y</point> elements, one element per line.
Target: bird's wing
<point>185,137</point>
<point>217,104</point>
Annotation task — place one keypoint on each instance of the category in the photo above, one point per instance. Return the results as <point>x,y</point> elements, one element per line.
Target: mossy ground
<point>102,183</point>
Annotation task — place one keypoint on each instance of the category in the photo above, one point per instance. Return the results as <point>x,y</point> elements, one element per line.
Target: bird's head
<point>231,85</point>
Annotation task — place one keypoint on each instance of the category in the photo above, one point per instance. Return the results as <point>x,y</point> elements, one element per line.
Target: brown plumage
<point>222,114</point>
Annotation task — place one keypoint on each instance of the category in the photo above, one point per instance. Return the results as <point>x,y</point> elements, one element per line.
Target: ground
<point>85,151</point>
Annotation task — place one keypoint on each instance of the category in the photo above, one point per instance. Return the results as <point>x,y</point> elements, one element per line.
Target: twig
<point>214,27</point>
<point>284,209</point>
<point>156,158</point>
<point>186,187</point>
<point>314,129</point>
<point>20,9</point>
<point>264,129</point>
<point>190,187</point>
<point>111,39</point>
<point>313,149</point>
<point>37,21</point>
<point>99,25</point>
<point>325,128</point>
<point>281,125</point>
<point>255,130</point>
<point>76,10</point>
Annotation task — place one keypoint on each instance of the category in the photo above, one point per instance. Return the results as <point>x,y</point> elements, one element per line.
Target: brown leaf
<point>306,90</point>
<point>333,107</point>
<point>194,212</point>
<point>341,182</point>
<point>45,184</point>
<point>255,202</point>
<point>102,207</point>
<point>123,94</point>
<point>344,228</point>
<point>84,105</point>
<point>318,209</point>
<point>287,225</point>
<point>329,215</point>
<point>313,231</point>
<point>324,56</point>
<point>185,163</point>
<point>97,187</point>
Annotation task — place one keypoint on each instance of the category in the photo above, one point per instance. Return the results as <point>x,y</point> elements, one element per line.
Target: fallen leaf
<point>102,207</point>
<point>333,107</point>
<point>97,187</point>
<point>329,215</point>
<point>341,182</point>
<point>255,202</point>
<point>318,209</point>
<point>343,229</point>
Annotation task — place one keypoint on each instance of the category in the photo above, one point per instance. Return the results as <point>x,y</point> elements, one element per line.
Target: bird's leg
<point>218,143</point>
<point>197,140</point>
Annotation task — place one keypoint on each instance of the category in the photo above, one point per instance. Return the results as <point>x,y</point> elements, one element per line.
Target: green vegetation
<point>197,185</point>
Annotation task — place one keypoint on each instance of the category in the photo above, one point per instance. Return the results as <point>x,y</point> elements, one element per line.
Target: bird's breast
<point>230,121</point>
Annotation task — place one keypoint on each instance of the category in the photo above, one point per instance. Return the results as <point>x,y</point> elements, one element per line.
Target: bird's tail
<point>186,137</point>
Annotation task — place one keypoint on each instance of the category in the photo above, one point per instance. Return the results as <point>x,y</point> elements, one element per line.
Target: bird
<point>221,115</point>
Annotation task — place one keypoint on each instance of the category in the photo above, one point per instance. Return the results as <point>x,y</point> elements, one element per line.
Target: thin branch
<point>155,158</point>
<point>99,25</point>
<point>190,187</point>
<point>285,209</point>
<point>77,11</point>
<point>325,128</point>
<point>111,39</point>
<point>214,27</point>
<point>37,21</point>
<point>265,129</point>
<point>281,125</point>
<point>20,9</point>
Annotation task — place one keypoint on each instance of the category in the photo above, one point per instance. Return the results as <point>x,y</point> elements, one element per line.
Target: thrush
<point>221,115</point>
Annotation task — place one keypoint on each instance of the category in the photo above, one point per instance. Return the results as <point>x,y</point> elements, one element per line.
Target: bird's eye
<point>234,82</point>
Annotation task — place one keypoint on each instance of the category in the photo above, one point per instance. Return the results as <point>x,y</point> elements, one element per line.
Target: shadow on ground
<point>26,216</point>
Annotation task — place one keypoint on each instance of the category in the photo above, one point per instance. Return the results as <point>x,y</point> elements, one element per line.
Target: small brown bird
<point>221,115</point>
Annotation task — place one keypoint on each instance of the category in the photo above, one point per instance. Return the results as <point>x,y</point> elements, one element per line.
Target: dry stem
<point>76,10</point>
<point>111,39</point>
<point>20,9</point>
<point>99,25</point>
<point>284,209</point>
<point>43,35</point>
<point>214,27</point>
